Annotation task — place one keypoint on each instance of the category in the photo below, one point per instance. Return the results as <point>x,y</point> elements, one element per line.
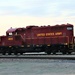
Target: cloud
<point>37,7</point>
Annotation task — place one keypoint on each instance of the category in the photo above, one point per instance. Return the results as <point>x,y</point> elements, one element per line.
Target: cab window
<point>10,34</point>
<point>69,28</point>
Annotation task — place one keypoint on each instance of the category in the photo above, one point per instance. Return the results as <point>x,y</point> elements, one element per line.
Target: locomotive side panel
<point>13,41</point>
<point>28,37</point>
<point>52,34</point>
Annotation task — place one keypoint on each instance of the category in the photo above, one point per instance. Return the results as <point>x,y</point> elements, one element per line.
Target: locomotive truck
<point>48,39</point>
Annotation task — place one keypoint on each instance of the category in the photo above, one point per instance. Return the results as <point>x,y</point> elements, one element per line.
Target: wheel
<point>48,53</point>
<point>69,52</point>
<point>3,53</point>
<point>9,53</point>
<point>15,53</point>
<point>21,53</point>
<point>63,52</point>
<point>54,52</point>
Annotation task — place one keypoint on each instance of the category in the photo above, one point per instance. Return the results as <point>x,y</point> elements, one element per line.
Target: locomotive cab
<point>13,40</point>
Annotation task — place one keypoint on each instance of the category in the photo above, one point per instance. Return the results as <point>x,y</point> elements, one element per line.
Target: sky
<point>21,13</point>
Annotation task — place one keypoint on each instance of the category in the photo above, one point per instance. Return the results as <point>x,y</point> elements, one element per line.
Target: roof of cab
<point>11,30</point>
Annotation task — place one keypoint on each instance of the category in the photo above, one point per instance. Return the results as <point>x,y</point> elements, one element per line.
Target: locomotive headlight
<point>28,45</point>
<point>10,46</point>
<point>48,45</point>
<point>69,28</point>
<point>65,43</point>
<point>37,45</point>
<point>22,45</point>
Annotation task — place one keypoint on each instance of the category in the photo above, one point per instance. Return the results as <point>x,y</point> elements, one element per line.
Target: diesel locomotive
<point>48,39</point>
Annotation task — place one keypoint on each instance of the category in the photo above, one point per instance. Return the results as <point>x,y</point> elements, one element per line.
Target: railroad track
<point>38,56</point>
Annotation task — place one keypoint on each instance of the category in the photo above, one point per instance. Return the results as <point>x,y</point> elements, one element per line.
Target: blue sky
<point>37,8</point>
<point>20,13</point>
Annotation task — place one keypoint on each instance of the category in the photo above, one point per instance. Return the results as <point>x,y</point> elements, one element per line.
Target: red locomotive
<point>49,39</point>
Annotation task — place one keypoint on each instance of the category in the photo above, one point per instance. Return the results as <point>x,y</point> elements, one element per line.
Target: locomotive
<point>48,39</point>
